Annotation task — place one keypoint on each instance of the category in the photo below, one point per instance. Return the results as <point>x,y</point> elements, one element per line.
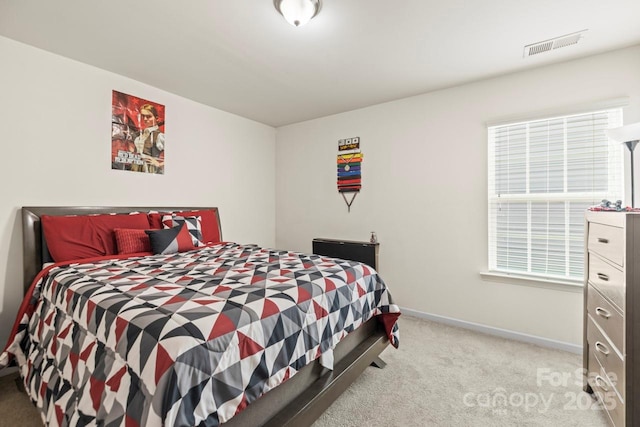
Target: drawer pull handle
<point>603,240</point>
<point>603,312</point>
<point>601,382</point>
<point>602,348</point>
<point>603,276</point>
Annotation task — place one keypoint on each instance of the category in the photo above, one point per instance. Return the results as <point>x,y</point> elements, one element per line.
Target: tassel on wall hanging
<point>349,169</point>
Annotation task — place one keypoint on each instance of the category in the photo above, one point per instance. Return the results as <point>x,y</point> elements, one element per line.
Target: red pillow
<point>72,237</point>
<point>105,224</point>
<point>131,241</point>
<point>210,226</point>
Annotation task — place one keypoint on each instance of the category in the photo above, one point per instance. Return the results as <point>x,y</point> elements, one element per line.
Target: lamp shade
<point>297,12</point>
<point>625,133</point>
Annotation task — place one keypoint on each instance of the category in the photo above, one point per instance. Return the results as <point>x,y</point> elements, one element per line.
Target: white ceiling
<point>241,56</point>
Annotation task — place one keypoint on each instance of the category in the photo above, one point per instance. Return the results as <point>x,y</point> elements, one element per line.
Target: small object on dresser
<point>608,206</point>
<point>373,238</point>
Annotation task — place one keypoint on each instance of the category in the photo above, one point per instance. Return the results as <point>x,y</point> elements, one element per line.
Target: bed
<point>202,336</point>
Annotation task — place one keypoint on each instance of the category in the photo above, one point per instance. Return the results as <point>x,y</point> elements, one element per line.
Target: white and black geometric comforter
<point>188,338</point>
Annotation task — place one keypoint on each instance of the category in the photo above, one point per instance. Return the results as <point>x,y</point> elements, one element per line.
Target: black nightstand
<point>364,252</point>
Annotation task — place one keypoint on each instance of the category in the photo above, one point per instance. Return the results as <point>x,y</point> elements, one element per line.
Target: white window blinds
<point>543,175</point>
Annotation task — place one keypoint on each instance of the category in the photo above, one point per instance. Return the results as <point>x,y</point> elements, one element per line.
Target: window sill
<point>537,282</point>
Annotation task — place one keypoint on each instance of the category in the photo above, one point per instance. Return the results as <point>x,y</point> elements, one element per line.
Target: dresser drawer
<point>605,392</point>
<point>607,241</point>
<point>608,280</point>
<point>610,361</point>
<point>606,316</point>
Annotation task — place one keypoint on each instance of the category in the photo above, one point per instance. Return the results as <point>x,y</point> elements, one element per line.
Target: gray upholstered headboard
<point>34,246</point>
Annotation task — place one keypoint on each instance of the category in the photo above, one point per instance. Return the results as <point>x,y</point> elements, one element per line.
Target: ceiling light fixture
<point>298,12</point>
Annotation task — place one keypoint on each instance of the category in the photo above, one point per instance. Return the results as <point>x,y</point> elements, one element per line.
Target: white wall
<point>424,175</point>
<point>424,178</point>
<point>55,140</point>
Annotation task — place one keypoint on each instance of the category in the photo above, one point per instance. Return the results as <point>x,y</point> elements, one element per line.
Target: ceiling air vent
<point>557,43</point>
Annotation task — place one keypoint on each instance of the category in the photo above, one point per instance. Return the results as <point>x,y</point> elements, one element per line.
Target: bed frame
<point>297,402</point>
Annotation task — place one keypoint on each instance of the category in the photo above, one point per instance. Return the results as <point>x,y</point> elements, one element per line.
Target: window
<point>543,175</point>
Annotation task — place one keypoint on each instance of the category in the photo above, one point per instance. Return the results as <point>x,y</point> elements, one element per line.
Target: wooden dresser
<point>612,314</point>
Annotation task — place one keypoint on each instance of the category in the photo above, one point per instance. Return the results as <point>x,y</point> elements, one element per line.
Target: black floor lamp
<point>630,136</point>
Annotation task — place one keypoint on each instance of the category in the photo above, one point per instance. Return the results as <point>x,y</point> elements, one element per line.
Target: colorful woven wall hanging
<point>349,169</point>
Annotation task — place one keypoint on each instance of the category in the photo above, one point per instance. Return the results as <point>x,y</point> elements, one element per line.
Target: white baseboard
<point>504,333</point>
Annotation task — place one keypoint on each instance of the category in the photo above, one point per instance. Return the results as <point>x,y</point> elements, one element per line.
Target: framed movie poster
<point>137,134</point>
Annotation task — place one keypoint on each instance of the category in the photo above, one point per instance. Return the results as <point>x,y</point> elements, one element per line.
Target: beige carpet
<point>447,376</point>
<point>440,376</point>
<point>15,407</point>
